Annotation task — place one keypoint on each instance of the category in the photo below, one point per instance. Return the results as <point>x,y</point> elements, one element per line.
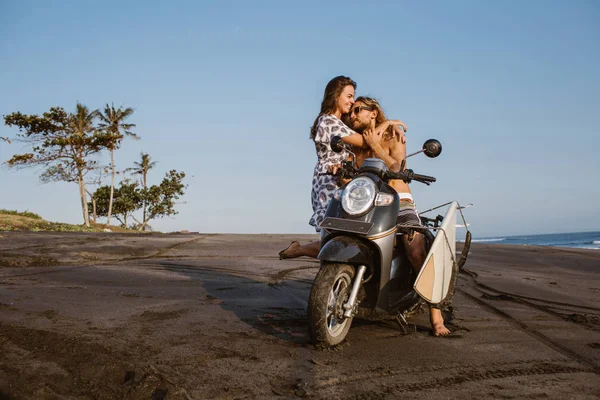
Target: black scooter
<point>364,269</point>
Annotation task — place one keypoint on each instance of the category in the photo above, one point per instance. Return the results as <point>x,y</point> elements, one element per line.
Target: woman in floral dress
<point>337,101</point>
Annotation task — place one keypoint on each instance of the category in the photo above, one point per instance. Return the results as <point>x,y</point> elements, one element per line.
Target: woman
<point>337,101</point>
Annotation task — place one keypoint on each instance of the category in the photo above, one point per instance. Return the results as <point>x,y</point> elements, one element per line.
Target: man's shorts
<point>408,215</point>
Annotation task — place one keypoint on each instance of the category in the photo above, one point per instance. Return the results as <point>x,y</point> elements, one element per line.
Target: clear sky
<point>227,91</point>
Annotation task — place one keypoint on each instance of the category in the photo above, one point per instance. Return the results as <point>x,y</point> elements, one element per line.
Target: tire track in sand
<point>542,338</point>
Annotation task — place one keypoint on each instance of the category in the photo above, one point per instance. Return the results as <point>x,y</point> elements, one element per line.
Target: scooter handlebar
<point>424,178</point>
<point>409,176</point>
<point>347,171</point>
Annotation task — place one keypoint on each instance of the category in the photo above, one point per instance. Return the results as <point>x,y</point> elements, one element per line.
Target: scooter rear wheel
<point>327,325</point>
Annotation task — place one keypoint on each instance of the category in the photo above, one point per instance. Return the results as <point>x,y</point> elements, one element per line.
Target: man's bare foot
<point>437,322</point>
<point>290,252</point>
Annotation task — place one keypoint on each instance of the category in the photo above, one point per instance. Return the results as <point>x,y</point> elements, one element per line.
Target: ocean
<point>578,240</point>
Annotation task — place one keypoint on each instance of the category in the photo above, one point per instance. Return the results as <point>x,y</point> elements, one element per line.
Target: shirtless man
<point>366,114</point>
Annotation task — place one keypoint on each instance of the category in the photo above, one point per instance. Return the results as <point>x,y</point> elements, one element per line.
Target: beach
<point>215,316</point>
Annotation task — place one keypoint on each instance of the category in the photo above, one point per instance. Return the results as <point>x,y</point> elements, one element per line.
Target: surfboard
<point>433,282</point>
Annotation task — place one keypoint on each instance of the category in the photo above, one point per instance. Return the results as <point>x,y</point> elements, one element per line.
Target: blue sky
<point>227,91</point>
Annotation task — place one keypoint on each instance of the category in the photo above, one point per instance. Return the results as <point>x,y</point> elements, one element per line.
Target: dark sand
<point>113,316</point>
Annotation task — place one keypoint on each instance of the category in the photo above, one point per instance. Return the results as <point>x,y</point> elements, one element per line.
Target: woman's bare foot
<point>290,252</point>
<point>437,322</point>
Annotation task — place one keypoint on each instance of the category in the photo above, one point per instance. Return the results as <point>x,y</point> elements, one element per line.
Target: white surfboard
<point>433,282</point>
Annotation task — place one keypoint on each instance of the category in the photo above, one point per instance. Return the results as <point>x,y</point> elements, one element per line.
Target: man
<point>390,146</point>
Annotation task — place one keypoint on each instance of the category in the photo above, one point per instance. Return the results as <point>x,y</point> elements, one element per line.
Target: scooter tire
<point>323,327</point>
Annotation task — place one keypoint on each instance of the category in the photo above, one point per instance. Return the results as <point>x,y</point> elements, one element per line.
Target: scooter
<point>364,270</point>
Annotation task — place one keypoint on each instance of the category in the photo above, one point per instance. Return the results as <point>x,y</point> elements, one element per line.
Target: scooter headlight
<point>358,195</point>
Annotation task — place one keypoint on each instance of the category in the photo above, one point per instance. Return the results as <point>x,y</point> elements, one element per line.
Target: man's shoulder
<point>394,141</point>
<point>389,143</point>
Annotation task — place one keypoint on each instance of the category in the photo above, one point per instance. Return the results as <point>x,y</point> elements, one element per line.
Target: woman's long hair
<point>333,90</point>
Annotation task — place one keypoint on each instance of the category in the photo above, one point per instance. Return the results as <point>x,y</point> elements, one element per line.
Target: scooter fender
<point>346,249</point>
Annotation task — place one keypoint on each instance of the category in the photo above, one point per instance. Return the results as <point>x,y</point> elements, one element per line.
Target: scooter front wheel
<point>327,325</point>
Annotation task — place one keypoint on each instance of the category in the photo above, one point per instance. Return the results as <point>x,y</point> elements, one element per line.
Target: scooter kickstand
<point>401,321</point>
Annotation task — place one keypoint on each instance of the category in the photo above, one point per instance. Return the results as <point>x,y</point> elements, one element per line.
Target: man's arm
<point>398,150</point>
<point>357,140</point>
<point>391,154</point>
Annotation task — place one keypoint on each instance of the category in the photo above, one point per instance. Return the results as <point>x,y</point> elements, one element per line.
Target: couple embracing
<point>362,124</point>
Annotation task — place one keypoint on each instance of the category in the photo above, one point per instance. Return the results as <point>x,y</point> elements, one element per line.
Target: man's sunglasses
<point>358,109</point>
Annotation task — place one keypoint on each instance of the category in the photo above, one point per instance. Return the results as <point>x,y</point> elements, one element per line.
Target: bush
<point>27,214</point>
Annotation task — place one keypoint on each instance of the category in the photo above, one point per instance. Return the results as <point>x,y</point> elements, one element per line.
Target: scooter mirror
<point>337,144</point>
<point>432,148</point>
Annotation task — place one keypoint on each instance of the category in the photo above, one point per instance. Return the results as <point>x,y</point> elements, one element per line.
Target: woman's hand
<point>397,122</point>
<point>400,133</point>
<point>333,169</point>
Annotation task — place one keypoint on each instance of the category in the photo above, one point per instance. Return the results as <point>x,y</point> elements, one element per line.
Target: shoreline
<point>530,245</point>
<point>589,240</point>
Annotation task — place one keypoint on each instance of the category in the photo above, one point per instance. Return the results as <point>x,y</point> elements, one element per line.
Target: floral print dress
<point>324,183</point>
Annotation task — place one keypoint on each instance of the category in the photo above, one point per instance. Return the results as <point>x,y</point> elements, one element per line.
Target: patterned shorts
<point>408,214</point>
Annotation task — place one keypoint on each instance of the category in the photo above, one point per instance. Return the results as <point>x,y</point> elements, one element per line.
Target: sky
<point>226,91</point>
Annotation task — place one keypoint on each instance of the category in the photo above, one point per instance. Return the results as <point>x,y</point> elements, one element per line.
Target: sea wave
<point>488,240</point>
<point>596,242</point>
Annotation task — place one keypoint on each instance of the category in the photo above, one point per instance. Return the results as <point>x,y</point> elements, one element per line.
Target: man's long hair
<point>333,90</point>
<point>381,118</point>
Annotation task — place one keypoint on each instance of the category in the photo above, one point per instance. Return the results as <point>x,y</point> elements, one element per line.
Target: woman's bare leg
<point>296,250</point>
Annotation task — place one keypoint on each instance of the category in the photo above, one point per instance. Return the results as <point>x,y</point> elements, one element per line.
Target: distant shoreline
<point>573,240</point>
<point>577,250</point>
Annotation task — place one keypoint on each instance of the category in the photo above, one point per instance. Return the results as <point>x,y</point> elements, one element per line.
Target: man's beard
<point>360,126</point>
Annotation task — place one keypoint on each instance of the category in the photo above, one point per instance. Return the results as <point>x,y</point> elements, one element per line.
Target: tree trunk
<point>94,216</point>
<point>84,205</point>
<point>112,184</point>
<point>144,223</point>
<point>145,204</point>
<point>144,216</point>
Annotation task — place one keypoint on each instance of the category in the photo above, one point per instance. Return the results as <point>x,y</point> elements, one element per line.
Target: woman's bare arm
<point>356,140</point>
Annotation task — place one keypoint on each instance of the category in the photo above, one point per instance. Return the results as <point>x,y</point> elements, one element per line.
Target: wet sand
<point>106,316</point>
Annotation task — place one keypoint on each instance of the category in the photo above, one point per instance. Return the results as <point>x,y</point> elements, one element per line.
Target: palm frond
<point>113,122</point>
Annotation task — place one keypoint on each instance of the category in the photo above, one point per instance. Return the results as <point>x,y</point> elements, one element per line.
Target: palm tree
<point>142,168</point>
<point>113,123</point>
<point>82,124</point>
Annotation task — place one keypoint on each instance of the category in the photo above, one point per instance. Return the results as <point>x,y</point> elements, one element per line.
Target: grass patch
<point>27,214</point>
<point>15,221</point>
<point>10,222</point>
